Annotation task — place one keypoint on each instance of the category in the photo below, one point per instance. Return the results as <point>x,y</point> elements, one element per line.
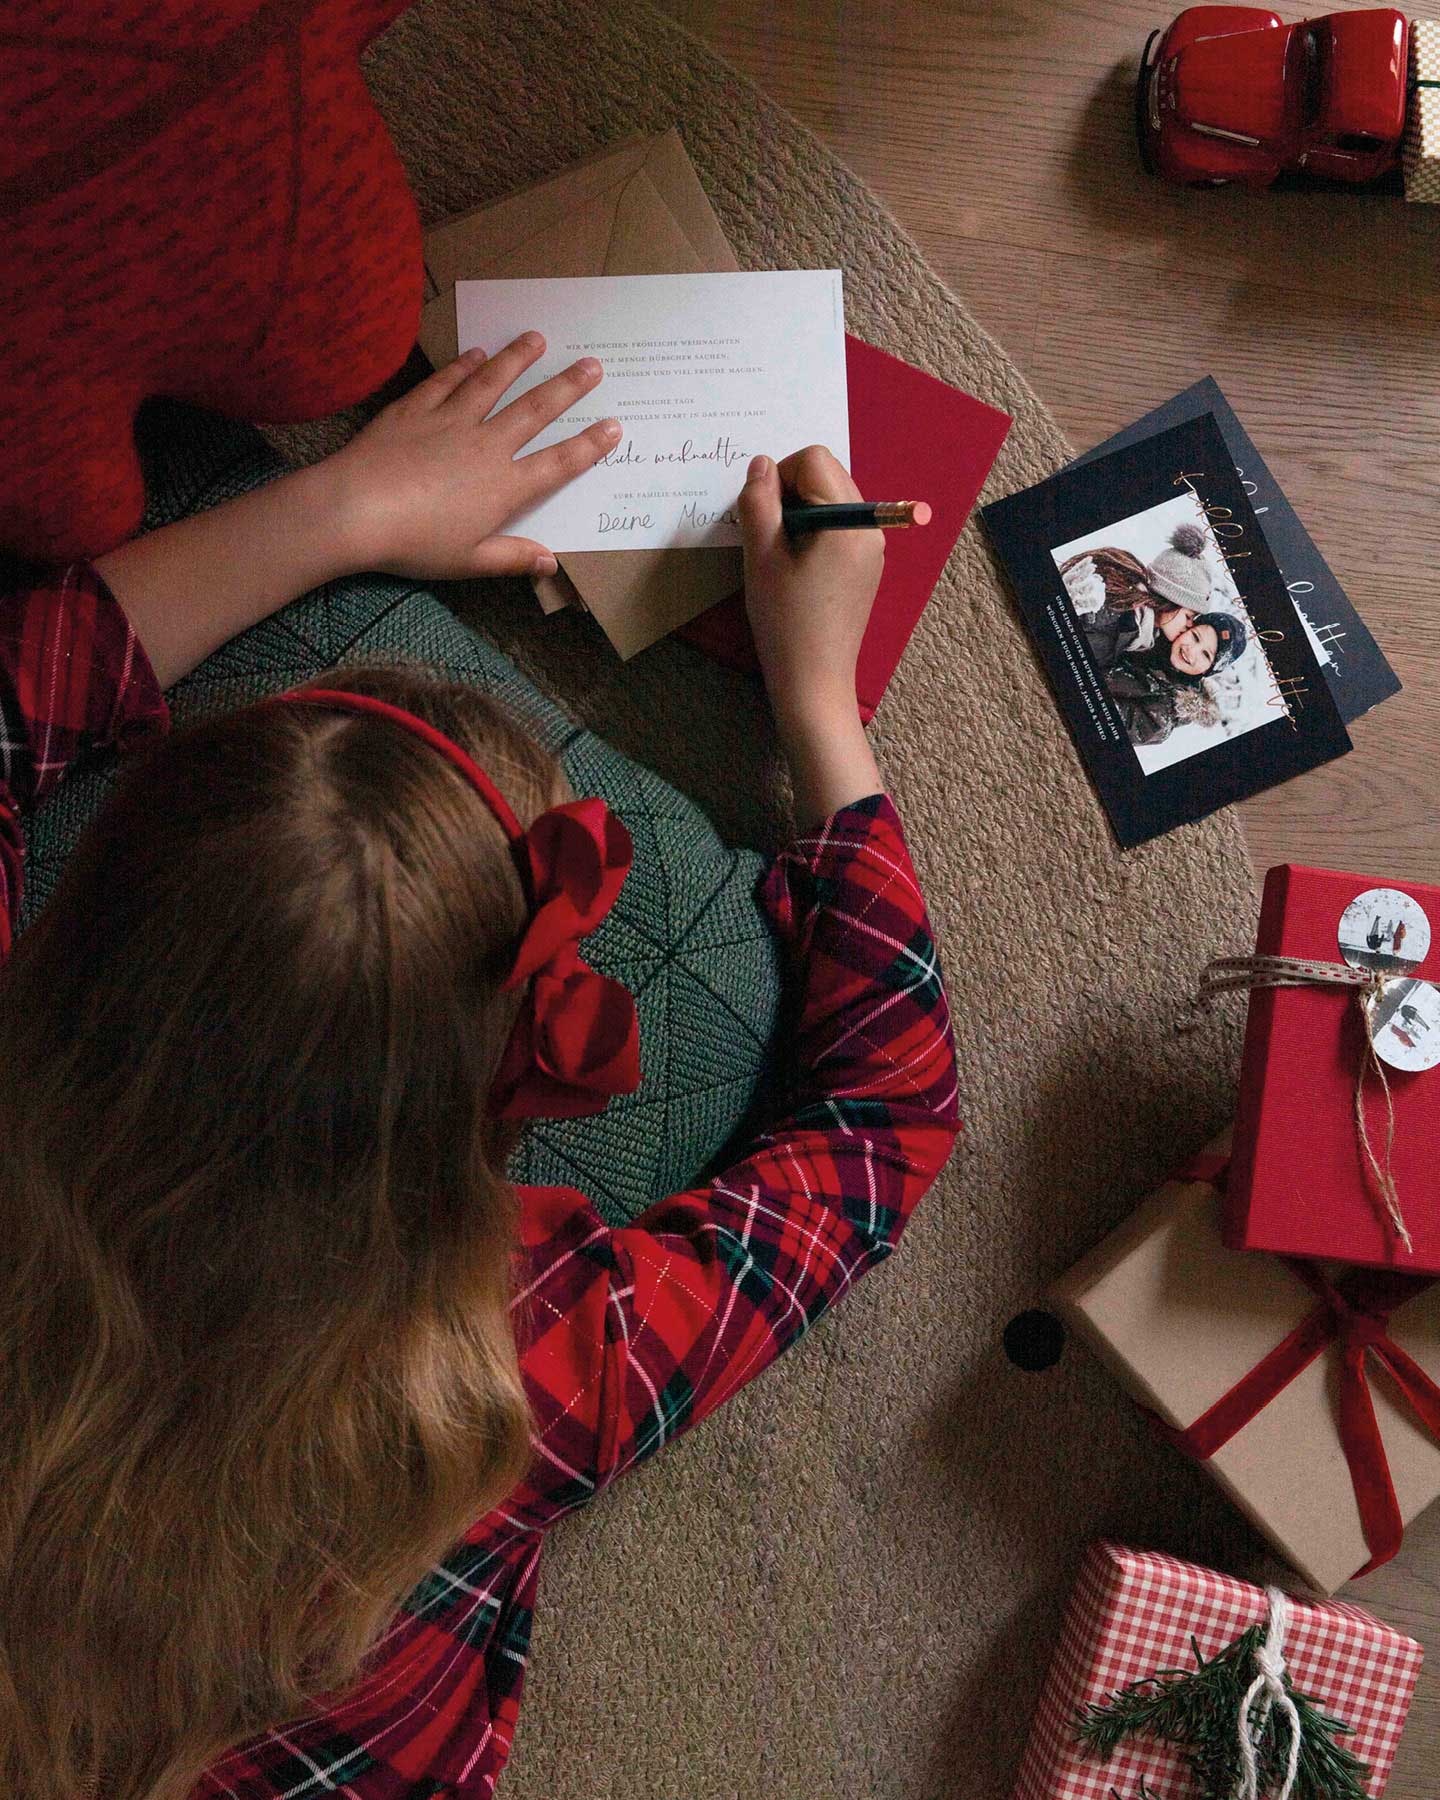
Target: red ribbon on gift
<point>1354,1313</point>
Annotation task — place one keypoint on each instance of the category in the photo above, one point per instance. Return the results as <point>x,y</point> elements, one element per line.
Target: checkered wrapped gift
<point>1135,1613</point>
<point>1420,151</point>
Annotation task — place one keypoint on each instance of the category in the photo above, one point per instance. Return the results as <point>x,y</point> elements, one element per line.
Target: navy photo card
<point>1166,629</point>
<point>1353,663</point>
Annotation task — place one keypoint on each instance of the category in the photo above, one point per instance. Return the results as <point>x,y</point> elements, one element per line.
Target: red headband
<point>576,1042</point>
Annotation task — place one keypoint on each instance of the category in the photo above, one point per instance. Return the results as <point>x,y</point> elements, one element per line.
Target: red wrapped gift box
<point>1298,1180</point>
<point>1134,1613</point>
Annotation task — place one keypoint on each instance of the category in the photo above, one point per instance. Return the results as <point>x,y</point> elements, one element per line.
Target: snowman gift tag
<point>1386,933</point>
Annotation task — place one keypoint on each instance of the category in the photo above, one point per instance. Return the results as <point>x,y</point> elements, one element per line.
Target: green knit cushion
<point>686,936</point>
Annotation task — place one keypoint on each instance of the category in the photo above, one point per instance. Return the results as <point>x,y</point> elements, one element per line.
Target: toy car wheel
<point>1142,88</point>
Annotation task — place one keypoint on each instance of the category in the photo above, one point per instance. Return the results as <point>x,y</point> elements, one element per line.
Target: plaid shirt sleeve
<point>72,677</point>
<point>639,1333</point>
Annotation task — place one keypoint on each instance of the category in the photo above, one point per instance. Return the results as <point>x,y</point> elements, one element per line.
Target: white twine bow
<point>1268,1688</point>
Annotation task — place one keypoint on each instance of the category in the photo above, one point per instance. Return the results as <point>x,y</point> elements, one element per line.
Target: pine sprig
<point>1196,1710</point>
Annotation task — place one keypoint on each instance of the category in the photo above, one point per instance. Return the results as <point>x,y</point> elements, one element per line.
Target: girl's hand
<point>424,489</point>
<point>808,599</point>
<point>809,602</point>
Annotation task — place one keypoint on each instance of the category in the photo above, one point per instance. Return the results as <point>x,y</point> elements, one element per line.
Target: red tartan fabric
<point>630,1337</point>
<point>72,677</point>
<point>627,1337</point>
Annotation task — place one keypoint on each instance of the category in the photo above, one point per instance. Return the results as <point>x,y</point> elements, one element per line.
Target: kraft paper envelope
<point>636,208</point>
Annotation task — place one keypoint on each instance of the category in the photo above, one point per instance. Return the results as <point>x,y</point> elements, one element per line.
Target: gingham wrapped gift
<point>1134,1614</point>
<point>1420,150</point>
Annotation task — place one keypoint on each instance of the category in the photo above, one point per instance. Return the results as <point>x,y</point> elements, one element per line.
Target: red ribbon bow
<point>576,1043</point>
<point>1355,1314</point>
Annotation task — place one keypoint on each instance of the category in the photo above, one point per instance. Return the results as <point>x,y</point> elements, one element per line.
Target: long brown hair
<point>1125,578</point>
<point>255,1301</point>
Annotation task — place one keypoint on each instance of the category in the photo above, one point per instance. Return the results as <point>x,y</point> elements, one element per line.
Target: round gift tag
<point>1384,931</point>
<point>1405,1024</point>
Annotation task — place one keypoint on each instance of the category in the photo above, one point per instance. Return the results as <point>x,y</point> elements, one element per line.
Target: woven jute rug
<point>849,1581</point>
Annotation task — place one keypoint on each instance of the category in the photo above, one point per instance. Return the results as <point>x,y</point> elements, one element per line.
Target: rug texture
<point>849,1581</point>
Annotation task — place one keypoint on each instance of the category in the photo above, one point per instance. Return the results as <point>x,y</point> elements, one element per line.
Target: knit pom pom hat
<point>1179,575</point>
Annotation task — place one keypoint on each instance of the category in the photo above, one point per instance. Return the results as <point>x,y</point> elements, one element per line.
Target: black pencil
<point>854,515</point>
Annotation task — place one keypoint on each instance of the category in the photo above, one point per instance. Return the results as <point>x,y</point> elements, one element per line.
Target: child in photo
<point>279,1335</point>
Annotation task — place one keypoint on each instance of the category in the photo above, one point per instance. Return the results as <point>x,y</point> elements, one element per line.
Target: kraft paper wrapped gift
<point>1134,1613</point>
<point>1180,1320</point>
<point>1420,151</point>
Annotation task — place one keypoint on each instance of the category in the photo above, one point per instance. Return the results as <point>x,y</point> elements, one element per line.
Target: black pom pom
<point>1033,1340</point>
<point>1189,540</point>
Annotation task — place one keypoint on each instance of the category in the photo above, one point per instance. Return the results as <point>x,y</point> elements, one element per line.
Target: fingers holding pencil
<point>808,601</point>
<point>815,475</point>
<point>812,474</point>
<point>820,495</point>
<point>812,477</point>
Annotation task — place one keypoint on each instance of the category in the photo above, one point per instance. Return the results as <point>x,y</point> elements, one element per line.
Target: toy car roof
<point>1337,74</point>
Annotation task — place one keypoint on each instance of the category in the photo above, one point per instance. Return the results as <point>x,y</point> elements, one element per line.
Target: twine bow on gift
<point>1355,1314</point>
<point>1268,1688</point>
<point>1230,972</point>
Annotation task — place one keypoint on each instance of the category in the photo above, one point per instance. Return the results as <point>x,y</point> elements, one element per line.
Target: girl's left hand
<point>424,489</point>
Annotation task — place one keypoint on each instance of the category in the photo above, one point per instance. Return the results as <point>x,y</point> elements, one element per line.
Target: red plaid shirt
<point>629,1337</point>
<point>72,677</point>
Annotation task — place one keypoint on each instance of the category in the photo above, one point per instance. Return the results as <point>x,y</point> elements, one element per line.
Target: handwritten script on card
<point>702,371</point>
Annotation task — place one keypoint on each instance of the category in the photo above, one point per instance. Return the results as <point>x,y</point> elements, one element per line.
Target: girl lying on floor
<point>278,1334</point>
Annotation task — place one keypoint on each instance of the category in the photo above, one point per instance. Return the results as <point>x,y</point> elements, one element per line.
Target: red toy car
<point>1233,94</point>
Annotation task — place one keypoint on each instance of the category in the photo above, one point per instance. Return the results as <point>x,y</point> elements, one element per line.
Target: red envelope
<point>911,438</point>
<point>1298,1179</point>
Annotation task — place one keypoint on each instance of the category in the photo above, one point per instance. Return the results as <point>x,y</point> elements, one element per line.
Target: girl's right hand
<point>809,603</point>
<point>808,599</point>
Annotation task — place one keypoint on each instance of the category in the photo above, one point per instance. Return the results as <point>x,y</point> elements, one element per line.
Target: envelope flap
<point>640,178</point>
<point>639,596</point>
<point>646,237</point>
<point>634,208</point>
<point>672,176</point>
<point>462,247</point>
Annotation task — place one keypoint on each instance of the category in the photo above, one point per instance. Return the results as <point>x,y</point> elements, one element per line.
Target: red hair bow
<point>576,1043</point>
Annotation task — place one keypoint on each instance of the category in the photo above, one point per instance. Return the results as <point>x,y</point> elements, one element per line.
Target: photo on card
<point>1352,663</point>
<point>1167,627</point>
<point>1166,630</point>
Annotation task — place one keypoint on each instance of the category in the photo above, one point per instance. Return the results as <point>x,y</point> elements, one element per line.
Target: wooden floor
<point>1000,135</point>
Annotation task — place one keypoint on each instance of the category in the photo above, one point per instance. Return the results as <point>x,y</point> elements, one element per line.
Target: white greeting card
<point>702,371</point>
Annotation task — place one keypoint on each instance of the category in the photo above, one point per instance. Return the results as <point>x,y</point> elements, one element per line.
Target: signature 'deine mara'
<point>690,518</point>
